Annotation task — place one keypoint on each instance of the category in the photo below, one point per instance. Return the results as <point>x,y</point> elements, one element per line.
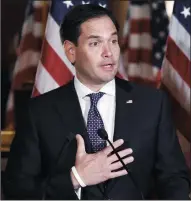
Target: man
<point>59,154</point>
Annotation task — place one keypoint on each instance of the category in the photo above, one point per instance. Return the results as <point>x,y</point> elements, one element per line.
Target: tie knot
<point>94,97</point>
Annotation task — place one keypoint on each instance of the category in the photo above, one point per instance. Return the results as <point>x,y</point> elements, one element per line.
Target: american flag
<point>28,52</point>
<point>176,67</point>
<point>145,43</point>
<point>54,69</point>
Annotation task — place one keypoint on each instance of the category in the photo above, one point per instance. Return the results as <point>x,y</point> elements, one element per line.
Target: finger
<point>117,165</point>
<point>122,153</point>
<point>116,144</point>
<point>80,144</point>
<point>118,174</point>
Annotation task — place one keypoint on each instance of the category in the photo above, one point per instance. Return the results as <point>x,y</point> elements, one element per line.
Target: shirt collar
<point>83,91</point>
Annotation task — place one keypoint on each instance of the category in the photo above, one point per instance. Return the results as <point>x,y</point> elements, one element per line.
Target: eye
<point>114,41</point>
<point>94,44</point>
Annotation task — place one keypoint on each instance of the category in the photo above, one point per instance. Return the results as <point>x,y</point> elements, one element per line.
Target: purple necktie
<point>94,122</point>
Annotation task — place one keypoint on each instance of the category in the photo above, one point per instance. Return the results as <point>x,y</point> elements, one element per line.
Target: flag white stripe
<point>142,70</point>
<point>185,144</point>
<point>138,41</point>
<point>140,12</point>
<point>48,83</point>
<point>53,38</point>
<point>180,36</point>
<point>10,101</point>
<point>29,26</point>
<point>121,69</point>
<point>178,88</point>
<point>26,59</point>
<point>38,29</point>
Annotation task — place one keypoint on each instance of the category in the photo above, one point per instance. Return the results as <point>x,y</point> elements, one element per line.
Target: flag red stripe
<point>186,148</point>
<point>145,81</point>
<point>136,24</point>
<point>35,92</point>
<point>119,75</point>
<point>54,65</point>
<point>30,42</point>
<point>180,116</point>
<point>182,119</point>
<point>178,60</point>
<point>24,78</point>
<point>139,55</point>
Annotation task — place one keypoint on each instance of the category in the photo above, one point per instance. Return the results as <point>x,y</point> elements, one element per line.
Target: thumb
<point>80,144</point>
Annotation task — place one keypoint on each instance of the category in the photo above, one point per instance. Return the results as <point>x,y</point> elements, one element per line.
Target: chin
<point>107,78</point>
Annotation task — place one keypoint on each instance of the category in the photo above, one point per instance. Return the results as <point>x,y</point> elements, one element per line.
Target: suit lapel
<point>69,109</point>
<point>124,106</point>
<point>123,117</point>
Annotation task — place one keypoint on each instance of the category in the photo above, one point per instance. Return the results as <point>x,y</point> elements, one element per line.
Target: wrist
<point>76,179</point>
<point>75,183</point>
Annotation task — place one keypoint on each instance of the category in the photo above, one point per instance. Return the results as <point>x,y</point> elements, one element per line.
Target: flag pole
<point>45,7</point>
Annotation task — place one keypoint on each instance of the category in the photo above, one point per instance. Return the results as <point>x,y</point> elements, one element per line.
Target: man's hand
<point>97,167</point>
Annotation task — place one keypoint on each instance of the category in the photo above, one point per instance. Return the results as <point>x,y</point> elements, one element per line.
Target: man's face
<point>97,53</point>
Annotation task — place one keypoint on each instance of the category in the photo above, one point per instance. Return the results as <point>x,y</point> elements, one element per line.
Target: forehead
<point>98,25</point>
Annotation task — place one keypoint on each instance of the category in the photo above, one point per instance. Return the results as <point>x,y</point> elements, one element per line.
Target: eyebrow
<point>95,36</point>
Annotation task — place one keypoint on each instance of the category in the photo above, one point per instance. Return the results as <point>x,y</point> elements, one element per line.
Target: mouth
<point>108,66</point>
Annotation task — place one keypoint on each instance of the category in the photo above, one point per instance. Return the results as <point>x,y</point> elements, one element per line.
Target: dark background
<point>12,17</point>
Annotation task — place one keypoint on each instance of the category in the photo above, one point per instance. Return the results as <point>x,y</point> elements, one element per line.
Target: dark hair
<point>70,26</point>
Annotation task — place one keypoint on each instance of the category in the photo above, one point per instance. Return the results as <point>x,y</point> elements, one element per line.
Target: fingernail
<point>131,151</point>
<point>131,158</point>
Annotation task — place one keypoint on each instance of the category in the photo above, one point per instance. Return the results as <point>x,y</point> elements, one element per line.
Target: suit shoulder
<point>49,97</point>
<point>141,90</point>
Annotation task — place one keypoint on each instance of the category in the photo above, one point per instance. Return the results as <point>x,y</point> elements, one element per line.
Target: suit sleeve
<point>24,175</point>
<point>171,170</point>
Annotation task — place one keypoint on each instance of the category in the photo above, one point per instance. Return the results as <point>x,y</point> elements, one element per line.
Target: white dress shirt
<point>106,107</point>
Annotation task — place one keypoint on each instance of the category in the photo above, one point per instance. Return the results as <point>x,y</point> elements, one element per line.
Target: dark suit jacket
<point>43,150</point>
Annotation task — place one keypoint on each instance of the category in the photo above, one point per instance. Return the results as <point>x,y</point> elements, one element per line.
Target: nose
<point>107,52</point>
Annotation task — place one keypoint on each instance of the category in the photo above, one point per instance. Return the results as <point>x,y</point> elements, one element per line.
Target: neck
<point>92,86</point>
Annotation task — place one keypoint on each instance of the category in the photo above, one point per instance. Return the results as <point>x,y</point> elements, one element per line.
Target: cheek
<point>90,58</point>
<point>117,51</point>
<point>80,57</point>
<point>85,61</point>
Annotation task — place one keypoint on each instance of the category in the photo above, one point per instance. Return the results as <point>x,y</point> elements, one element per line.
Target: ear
<point>70,50</point>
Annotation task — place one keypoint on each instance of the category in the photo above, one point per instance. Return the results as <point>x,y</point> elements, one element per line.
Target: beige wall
<point>119,9</point>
